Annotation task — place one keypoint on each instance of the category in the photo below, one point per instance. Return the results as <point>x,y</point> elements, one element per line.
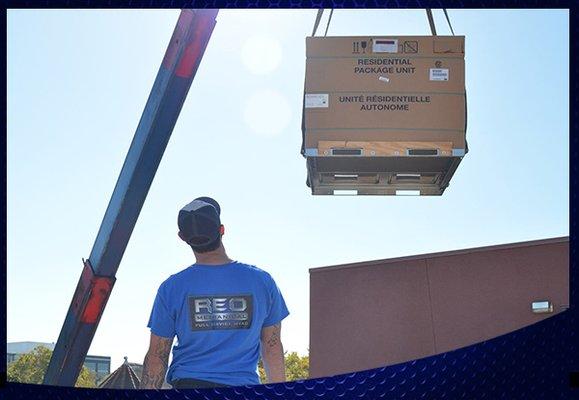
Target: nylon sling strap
<point>318,19</point>
<point>448,20</point>
<point>431,21</point>
<point>329,19</point>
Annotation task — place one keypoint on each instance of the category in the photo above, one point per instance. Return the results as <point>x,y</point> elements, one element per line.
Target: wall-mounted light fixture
<point>543,306</point>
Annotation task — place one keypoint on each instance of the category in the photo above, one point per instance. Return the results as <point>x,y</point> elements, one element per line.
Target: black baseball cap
<point>199,222</point>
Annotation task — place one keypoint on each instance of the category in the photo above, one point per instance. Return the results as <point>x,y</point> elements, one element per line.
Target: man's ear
<point>222,230</point>
<point>181,236</point>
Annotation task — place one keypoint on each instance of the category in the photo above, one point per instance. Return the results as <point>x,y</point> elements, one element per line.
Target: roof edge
<point>505,246</point>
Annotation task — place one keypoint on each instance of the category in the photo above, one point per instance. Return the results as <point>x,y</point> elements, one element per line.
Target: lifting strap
<point>428,14</point>
<point>329,19</point>
<point>448,20</point>
<point>431,21</point>
<point>319,18</point>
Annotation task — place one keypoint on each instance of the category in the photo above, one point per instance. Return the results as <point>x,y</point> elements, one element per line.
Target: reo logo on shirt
<point>221,312</point>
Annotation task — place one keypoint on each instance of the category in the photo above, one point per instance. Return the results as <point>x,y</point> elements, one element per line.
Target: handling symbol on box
<point>364,44</point>
<point>411,46</point>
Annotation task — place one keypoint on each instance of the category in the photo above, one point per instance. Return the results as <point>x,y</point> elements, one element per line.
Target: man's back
<point>217,313</point>
<point>224,314</point>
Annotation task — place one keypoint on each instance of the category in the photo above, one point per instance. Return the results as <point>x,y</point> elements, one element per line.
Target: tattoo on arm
<point>155,364</point>
<point>273,339</point>
<point>272,353</point>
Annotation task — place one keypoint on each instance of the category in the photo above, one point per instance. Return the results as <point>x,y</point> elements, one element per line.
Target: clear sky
<point>77,85</point>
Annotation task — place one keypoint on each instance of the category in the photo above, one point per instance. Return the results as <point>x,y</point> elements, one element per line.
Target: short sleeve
<point>277,309</point>
<point>161,321</point>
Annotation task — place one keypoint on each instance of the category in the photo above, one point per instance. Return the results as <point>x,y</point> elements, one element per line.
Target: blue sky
<point>77,85</point>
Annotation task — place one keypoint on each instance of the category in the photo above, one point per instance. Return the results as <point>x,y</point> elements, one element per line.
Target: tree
<point>31,367</point>
<point>296,367</point>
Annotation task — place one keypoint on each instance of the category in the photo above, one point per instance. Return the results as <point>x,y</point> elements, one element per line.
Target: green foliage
<point>296,367</point>
<point>261,371</point>
<point>31,367</point>
<point>86,378</point>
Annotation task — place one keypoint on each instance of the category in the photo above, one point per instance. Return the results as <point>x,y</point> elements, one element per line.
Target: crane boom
<point>182,58</point>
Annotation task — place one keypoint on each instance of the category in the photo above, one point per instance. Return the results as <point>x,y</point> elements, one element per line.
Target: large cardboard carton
<point>384,89</point>
<point>384,114</point>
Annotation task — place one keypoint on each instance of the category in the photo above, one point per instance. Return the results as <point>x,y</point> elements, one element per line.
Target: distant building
<point>100,366</point>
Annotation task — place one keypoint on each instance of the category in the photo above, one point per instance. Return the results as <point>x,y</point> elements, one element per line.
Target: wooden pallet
<point>328,148</point>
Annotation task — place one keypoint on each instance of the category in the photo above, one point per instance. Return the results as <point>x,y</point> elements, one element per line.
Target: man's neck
<point>215,257</point>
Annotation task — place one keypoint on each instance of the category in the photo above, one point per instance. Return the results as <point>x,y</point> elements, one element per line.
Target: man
<point>223,312</point>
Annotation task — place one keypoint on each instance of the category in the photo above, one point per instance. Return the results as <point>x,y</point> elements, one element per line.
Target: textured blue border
<point>532,363</point>
<point>4,213</point>
<point>290,4</point>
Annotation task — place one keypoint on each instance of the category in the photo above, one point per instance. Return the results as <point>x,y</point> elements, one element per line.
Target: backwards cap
<point>199,222</point>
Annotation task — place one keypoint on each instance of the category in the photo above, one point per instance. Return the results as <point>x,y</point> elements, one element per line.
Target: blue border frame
<point>540,361</point>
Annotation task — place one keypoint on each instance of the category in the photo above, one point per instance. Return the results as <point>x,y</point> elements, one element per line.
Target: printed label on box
<point>385,46</point>
<point>438,74</point>
<point>317,100</point>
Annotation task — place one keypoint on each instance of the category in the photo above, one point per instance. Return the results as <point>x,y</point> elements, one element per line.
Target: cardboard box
<point>384,114</point>
<point>384,89</point>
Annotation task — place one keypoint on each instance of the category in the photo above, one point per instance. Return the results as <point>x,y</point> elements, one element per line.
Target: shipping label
<point>317,100</point>
<point>385,46</point>
<point>438,74</point>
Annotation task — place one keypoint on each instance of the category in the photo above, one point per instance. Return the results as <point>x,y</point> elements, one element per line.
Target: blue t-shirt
<point>217,313</point>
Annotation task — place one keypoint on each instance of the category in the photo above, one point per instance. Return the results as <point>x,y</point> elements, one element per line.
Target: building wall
<point>378,313</point>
